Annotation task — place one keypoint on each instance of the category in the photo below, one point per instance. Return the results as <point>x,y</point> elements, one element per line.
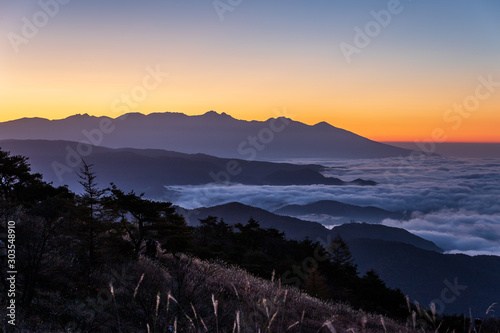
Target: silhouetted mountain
<point>236,212</point>
<point>351,231</point>
<point>307,177</point>
<point>211,133</point>
<point>150,170</point>
<point>455,282</point>
<point>402,259</point>
<point>295,228</point>
<point>341,210</point>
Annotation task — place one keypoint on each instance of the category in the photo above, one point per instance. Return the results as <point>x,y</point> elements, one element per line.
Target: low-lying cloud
<point>455,202</point>
<point>456,231</point>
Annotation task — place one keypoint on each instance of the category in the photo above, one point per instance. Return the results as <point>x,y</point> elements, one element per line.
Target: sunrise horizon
<point>277,112</point>
<point>368,70</point>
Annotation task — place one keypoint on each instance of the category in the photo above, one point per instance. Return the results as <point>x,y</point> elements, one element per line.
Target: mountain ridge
<point>334,208</point>
<point>217,134</point>
<point>150,170</point>
<point>428,275</point>
<point>421,273</point>
<point>295,228</point>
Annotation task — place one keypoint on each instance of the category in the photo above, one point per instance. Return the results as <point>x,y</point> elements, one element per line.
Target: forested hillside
<point>111,261</point>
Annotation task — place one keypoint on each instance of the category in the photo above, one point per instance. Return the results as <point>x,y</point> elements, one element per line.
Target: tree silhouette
<point>18,185</point>
<point>141,218</point>
<point>340,254</point>
<point>92,224</point>
<point>375,296</point>
<point>343,272</point>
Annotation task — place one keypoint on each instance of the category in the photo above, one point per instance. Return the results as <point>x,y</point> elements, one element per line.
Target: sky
<point>387,70</point>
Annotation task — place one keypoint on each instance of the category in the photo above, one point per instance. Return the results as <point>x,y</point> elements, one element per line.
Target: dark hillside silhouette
<point>150,170</point>
<point>342,210</point>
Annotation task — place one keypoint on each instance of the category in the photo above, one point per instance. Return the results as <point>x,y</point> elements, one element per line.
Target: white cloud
<point>456,202</point>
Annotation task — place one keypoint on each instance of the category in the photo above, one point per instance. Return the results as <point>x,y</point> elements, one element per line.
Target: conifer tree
<point>141,218</point>
<point>339,251</point>
<point>343,272</point>
<point>92,224</point>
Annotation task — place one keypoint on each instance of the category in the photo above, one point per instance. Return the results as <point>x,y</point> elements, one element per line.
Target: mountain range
<point>295,228</point>
<point>340,210</point>
<point>150,170</point>
<point>149,153</point>
<point>211,133</point>
<point>456,283</point>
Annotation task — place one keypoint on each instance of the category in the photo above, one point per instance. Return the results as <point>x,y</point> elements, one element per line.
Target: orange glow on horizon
<point>397,89</point>
<point>392,132</point>
<point>377,102</point>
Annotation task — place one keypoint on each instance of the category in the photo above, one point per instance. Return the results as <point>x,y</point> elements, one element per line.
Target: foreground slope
<point>184,294</point>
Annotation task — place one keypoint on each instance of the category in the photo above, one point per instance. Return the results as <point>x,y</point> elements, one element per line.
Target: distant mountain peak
<point>212,133</point>
<point>27,119</point>
<point>80,115</point>
<point>215,114</point>
<point>323,124</point>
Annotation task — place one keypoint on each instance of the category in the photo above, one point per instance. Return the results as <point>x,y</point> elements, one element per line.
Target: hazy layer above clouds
<point>455,202</point>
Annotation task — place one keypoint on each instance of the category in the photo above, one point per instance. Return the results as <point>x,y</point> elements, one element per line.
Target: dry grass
<point>200,296</point>
<point>184,294</point>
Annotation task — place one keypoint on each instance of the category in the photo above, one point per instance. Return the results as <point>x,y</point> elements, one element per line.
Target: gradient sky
<point>265,55</point>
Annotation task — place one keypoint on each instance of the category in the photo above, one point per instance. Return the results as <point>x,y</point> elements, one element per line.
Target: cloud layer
<point>455,202</point>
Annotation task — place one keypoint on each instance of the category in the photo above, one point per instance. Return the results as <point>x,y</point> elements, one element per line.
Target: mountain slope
<point>236,212</point>
<point>307,177</point>
<point>455,282</point>
<point>294,228</point>
<point>350,231</point>
<point>150,170</point>
<point>403,260</point>
<point>341,210</point>
<point>211,133</point>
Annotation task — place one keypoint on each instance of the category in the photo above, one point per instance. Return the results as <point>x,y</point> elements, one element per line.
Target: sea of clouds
<point>454,202</point>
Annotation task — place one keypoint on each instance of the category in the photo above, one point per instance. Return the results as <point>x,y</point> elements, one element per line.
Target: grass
<point>201,296</point>
<point>178,293</point>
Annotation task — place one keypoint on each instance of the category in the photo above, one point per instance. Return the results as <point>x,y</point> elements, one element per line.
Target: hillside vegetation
<point>110,261</point>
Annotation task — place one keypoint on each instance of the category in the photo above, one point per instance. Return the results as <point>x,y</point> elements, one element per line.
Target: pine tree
<point>18,186</point>
<point>141,218</point>
<point>92,224</point>
<point>339,252</point>
<point>343,272</point>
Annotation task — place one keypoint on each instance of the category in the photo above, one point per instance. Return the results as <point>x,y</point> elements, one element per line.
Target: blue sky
<point>262,55</point>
